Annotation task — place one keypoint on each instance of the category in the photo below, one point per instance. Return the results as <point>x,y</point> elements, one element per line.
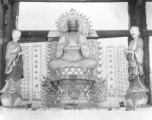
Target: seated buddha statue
<point>73,49</point>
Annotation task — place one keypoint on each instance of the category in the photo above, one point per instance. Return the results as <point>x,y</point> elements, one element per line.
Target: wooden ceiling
<point>71,0</point>
<point>76,0</point>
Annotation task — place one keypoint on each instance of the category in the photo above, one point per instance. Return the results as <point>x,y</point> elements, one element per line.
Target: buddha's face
<point>72,25</point>
<point>134,31</point>
<point>16,35</point>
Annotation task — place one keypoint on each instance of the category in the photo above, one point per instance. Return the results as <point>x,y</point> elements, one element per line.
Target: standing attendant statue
<point>136,94</point>
<point>14,71</point>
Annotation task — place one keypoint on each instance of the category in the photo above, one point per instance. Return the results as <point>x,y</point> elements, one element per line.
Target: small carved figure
<point>136,94</point>
<point>14,71</point>
<point>60,91</point>
<point>86,92</point>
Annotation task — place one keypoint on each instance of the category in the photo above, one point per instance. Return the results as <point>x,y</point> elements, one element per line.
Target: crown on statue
<point>84,24</point>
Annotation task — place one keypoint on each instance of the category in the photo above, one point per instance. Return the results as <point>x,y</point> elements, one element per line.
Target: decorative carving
<point>49,92</point>
<point>84,24</point>
<point>98,92</point>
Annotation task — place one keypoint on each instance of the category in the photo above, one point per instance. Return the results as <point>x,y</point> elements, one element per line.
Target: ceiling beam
<point>147,32</point>
<point>41,36</point>
<point>148,0</point>
<point>100,33</point>
<point>71,0</point>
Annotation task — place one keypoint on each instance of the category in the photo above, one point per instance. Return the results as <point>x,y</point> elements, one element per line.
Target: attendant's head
<point>134,31</point>
<point>73,25</point>
<point>16,34</point>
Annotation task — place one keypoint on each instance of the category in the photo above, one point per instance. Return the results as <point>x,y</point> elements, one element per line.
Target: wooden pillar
<point>1,28</point>
<point>137,14</point>
<point>146,52</point>
<point>141,22</point>
<point>15,12</point>
<point>6,24</point>
<point>1,43</point>
<point>8,13</point>
<point>133,9</point>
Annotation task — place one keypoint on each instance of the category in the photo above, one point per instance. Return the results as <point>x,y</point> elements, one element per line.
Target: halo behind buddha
<point>84,24</point>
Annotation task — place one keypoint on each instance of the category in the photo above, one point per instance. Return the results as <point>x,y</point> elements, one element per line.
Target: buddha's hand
<point>59,51</point>
<point>85,50</point>
<point>72,46</point>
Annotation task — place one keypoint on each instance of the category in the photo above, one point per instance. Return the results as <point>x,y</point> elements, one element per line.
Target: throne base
<point>72,91</point>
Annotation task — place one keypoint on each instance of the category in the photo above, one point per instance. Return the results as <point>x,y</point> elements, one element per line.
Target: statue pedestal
<point>136,94</point>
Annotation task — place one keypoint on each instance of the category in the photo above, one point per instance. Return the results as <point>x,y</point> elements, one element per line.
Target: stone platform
<point>143,113</point>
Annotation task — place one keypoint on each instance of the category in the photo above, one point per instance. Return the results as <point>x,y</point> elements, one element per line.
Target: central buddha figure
<point>73,49</point>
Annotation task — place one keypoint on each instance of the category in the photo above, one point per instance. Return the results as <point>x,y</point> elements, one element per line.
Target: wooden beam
<point>142,11</point>
<point>148,0</point>
<point>77,0</point>
<point>31,34</point>
<point>41,36</point>
<point>71,0</point>
<point>32,39</point>
<point>147,33</point>
<point>1,42</point>
<point>100,33</point>
<point>112,33</point>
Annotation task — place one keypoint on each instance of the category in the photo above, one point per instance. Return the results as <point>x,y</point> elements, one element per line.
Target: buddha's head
<point>134,31</point>
<point>16,34</point>
<point>73,25</point>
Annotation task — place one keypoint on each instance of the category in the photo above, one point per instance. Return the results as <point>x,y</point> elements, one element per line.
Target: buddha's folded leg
<point>55,64</point>
<point>87,63</point>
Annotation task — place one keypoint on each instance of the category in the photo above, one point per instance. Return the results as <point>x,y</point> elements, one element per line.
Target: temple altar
<point>34,85</point>
<point>73,71</point>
